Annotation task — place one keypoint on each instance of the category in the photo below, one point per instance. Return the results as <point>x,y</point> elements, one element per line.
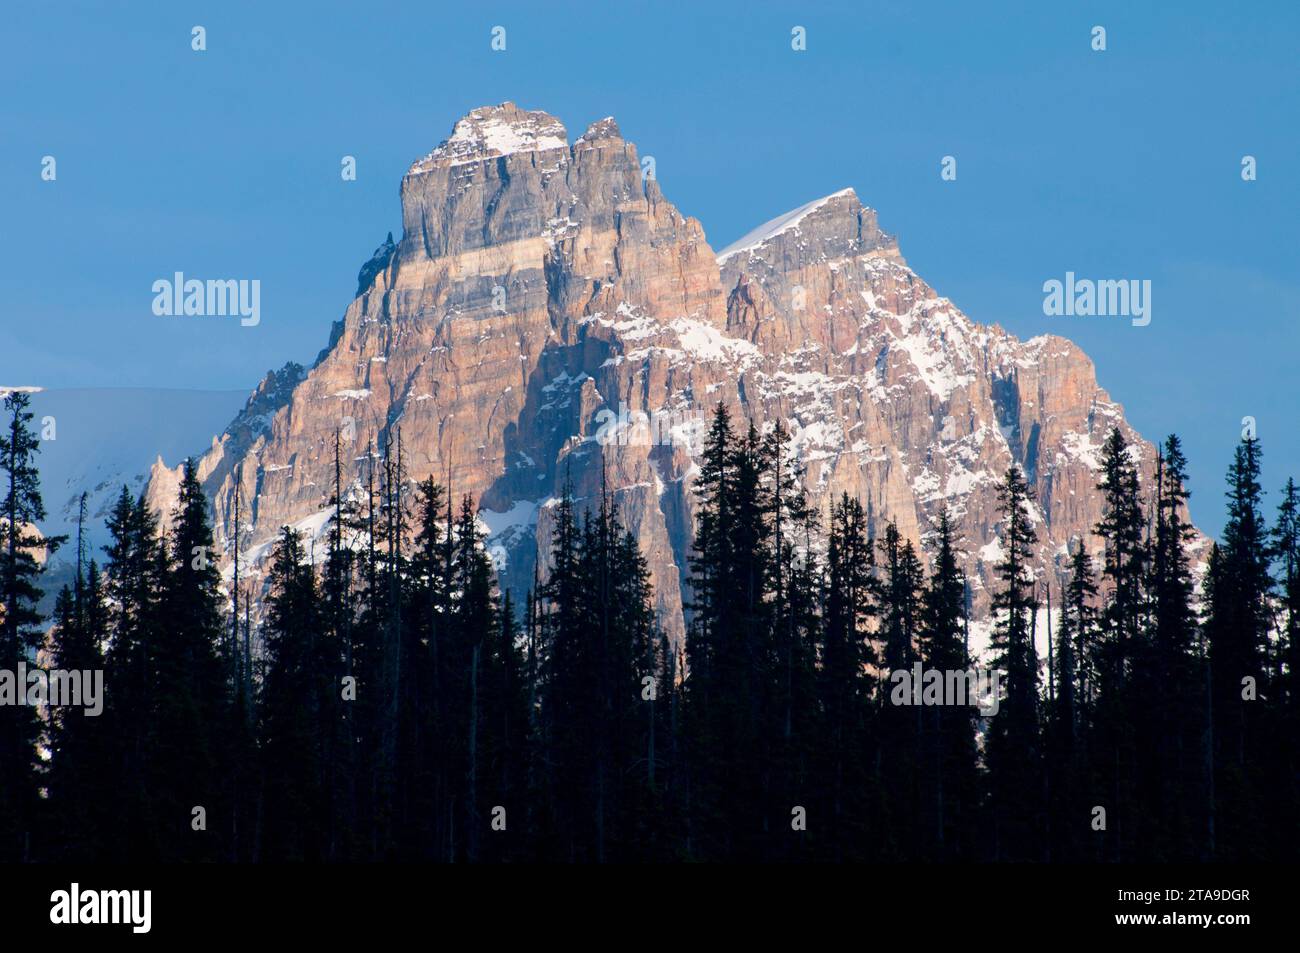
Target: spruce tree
<point>1171,709</point>
<point>847,771</point>
<point>1069,721</point>
<point>485,657</point>
<point>949,766</point>
<point>293,711</point>
<point>1240,588</point>
<point>731,656</point>
<point>193,692</point>
<point>136,576</point>
<point>1014,743</point>
<point>1286,555</point>
<point>1124,674</point>
<point>794,620</point>
<point>430,613</point>
<point>901,715</point>
<point>21,508</point>
<point>566,680</point>
<point>79,773</point>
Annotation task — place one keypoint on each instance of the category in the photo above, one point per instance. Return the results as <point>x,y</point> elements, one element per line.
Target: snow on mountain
<point>97,440</point>
<point>491,133</point>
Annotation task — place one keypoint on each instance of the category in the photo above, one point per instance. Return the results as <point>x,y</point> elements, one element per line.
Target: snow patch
<point>493,132</point>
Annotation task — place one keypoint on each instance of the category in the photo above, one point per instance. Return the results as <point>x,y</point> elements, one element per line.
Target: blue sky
<point>1121,164</point>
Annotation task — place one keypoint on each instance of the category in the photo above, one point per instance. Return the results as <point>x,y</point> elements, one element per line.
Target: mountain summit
<point>542,290</point>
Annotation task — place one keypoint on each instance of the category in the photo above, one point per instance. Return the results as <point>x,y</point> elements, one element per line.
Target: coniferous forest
<point>389,703</point>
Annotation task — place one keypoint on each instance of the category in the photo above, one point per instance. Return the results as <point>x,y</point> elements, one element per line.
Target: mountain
<point>543,294</point>
<point>95,440</point>
<point>98,439</point>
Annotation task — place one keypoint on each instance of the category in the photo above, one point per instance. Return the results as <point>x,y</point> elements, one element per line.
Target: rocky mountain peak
<point>377,263</point>
<point>493,131</point>
<point>605,128</point>
<point>544,298</point>
<point>834,227</point>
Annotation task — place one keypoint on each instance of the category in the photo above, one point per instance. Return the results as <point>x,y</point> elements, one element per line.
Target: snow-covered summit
<point>782,223</point>
<point>493,131</point>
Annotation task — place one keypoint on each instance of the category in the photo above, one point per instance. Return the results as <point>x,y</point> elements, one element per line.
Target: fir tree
<point>1239,587</point>
<point>1286,554</point>
<point>78,772</point>
<point>136,585</point>
<point>20,509</point>
<point>949,766</point>
<point>1013,746</point>
<point>850,793</point>
<point>293,709</point>
<point>731,655</point>
<point>192,691</point>
<point>1070,717</point>
<point>1171,703</point>
<point>1125,679</point>
<point>901,716</point>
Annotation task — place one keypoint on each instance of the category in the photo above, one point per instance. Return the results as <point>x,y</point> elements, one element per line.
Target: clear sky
<point>1117,164</point>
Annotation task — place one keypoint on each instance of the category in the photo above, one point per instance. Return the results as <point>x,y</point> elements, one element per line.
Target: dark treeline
<point>392,704</point>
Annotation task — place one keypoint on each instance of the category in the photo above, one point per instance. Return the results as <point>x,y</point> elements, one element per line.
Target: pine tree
<point>1172,586</point>
<point>731,654</point>
<point>367,658</point>
<point>478,634</point>
<point>1121,529</point>
<point>136,584</point>
<point>1014,745</point>
<point>78,770</point>
<point>192,692</point>
<point>628,636</point>
<point>949,767</point>
<point>794,617</point>
<point>1239,588</point>
<point>1070,718</point>
<point>430,613</point>
<point>240,743</point>
<point>900,599</point>
<point>850,794</point>
<point>565,691</point>
<point>1171,705</point>
<point>598,645</point>
<point>1286,554</point>
<point>20,509</point>
<point>901,716</point>
<point>1124,673</point>
<point>293,708</point>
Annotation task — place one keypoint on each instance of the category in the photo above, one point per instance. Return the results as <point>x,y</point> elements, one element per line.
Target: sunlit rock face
<point>543,295</point>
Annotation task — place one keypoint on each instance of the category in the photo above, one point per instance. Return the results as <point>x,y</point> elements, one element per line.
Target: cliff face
<point>542,296</point>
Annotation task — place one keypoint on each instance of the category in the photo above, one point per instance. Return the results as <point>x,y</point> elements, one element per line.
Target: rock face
<point>543,296</point>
